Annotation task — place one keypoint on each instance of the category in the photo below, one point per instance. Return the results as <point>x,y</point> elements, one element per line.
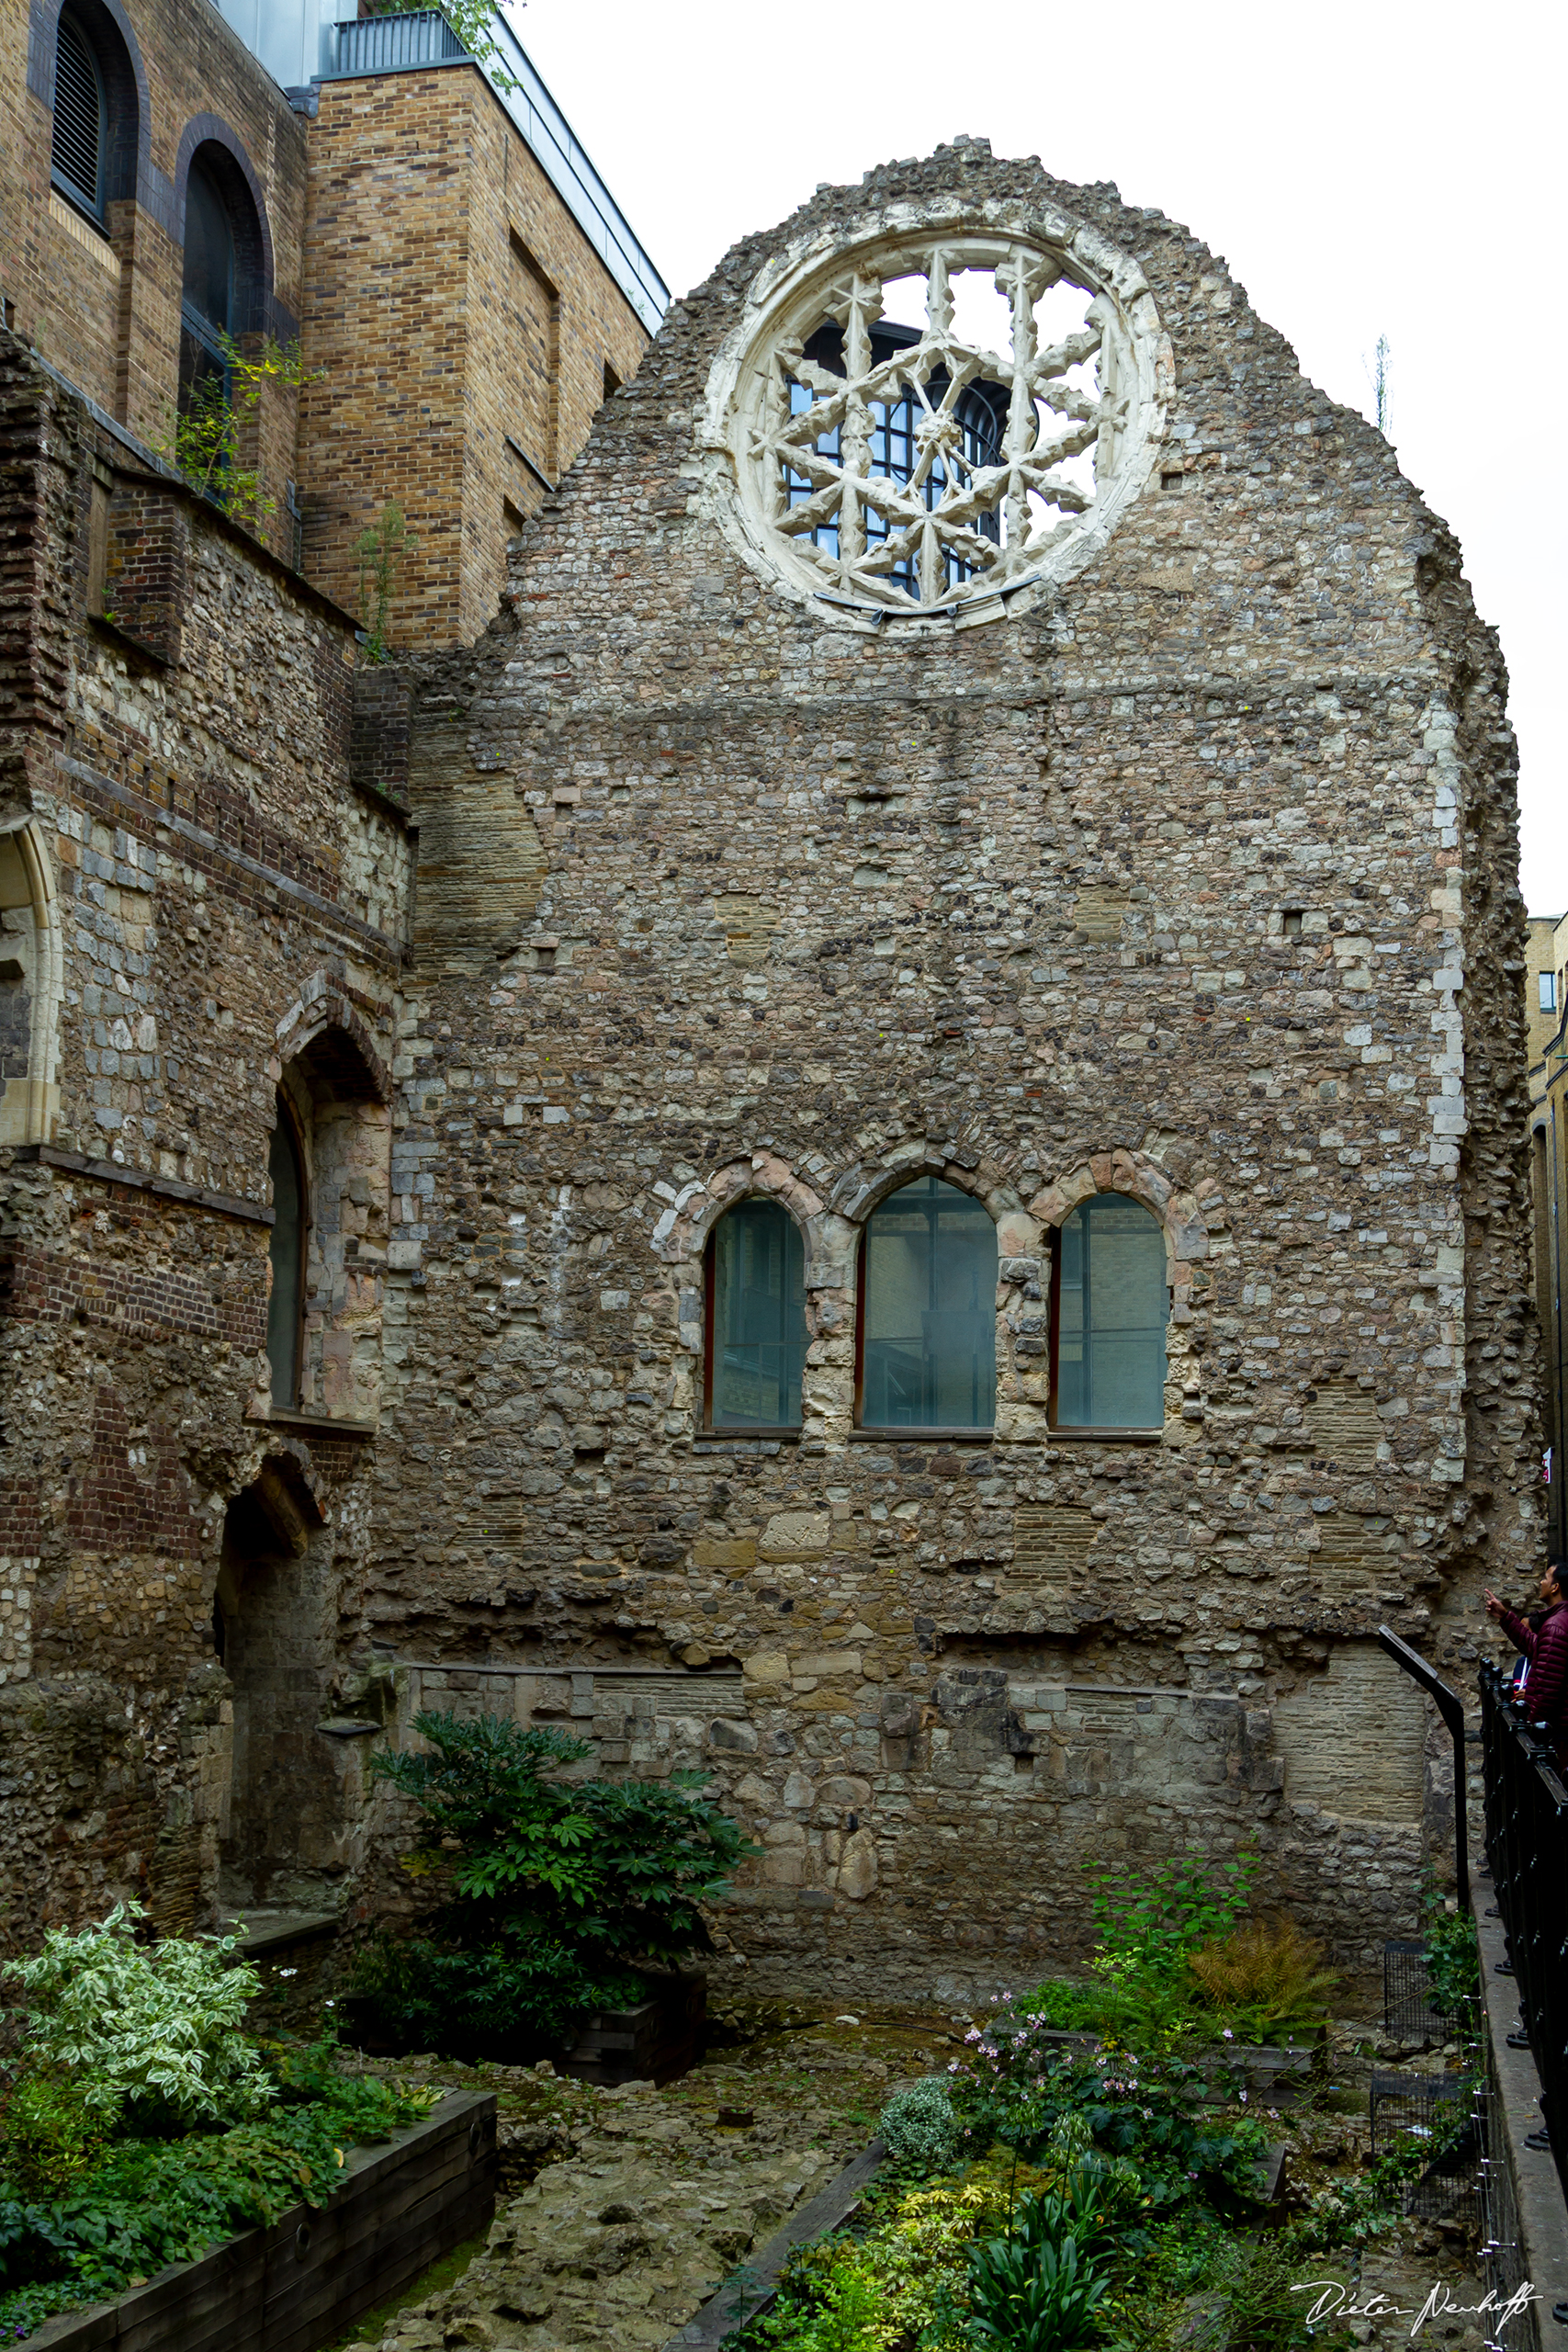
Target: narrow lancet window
<point>756,1310</point>
<point>928,1319</point>
<point>286,1252</point>
<point>1110,1309</point>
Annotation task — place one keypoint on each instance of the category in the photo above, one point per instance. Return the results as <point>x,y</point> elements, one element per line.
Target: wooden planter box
<point>403,2203</point>
<point>661,2038</point>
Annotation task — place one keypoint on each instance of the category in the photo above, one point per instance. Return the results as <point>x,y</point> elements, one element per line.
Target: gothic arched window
<point>1110,1305</point>
<point>756,1318</point>
<point>927,1323</point>
<point>290,1210</point>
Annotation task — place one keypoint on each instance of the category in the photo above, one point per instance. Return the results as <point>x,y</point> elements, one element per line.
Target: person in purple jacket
<point>1544,1641</point>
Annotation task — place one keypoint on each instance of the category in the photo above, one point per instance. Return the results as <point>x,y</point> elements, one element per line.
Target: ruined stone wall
<point>224,913</point>
<point>721,894</point>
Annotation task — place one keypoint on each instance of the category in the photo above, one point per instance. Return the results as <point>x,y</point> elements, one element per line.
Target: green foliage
<point>147,2203</point>
<point>1150,1921</point>
<point>381,551</point>
<point>1453,1960</point>
<point>498,2002</point>
<point>1016,2087</point>
<point>919,2128</point>
<point>203,438</point>
<point>558,1890</point>
<point>1035,2289</point>
<point>155,2026</point>
<point>1367,2205</point>
<point>471,20</point>
<point>49,2131</point>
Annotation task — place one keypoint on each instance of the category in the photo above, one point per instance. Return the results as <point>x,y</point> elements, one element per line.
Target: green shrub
<point>156,2028</point>
<point>500,2002</point>
<point>147,2203</point>
<point>1018,2086</point>
<point>556,1891</point>
<point>1033,2291</point>
<point>1453,1960</point>
<point>49,2131</point>
<point>919,2128</point>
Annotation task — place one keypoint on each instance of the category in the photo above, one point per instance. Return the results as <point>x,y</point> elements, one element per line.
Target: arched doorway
<point>283,1837</point>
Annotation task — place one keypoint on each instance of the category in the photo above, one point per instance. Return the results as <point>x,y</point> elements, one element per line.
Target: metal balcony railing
<point>1526,1848</point>
<point>385,44</point>
<point>422,37</point>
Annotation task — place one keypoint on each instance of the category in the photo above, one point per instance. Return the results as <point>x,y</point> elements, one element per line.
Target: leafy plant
<point>471,20</point>
<point>49,2131</point>
<point>1017,2087</point>
<point>147,2203</point>
<point>157,2026</point>
<point>1034,2291</point>
<point>1265,1976</point>
<point>203,438</point>
<point>381,551</point>
<point>557,1890</point>
<point>1150,1921</point>
<point>497,2002</point>
<point>1453,1961</point>
<point>919,2128</point>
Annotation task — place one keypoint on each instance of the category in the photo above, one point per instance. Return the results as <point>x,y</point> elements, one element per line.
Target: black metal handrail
<point>1526,1850</point>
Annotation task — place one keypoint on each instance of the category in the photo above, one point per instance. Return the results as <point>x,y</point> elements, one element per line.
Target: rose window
<point>929,424</point>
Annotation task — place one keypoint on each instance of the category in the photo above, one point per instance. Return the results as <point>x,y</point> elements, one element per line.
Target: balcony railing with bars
<point>1526,1850</point>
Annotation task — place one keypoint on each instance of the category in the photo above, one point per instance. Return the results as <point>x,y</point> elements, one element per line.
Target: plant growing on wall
<point>203,439</point>
<point>556,1890</point>
<point>471,20</point>
<point>381,551</point>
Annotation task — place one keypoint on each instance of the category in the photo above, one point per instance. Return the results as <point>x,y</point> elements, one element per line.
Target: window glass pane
<point>1112,1309</point>
<point>208,284</point>
<point>929,1347</point>
<point>286,1251</point>
<point>759,1319</point>
<point>1548,992</point>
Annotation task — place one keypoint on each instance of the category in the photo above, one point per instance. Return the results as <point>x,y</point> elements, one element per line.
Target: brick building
<point>205,898</point>
<point>879,1141</point>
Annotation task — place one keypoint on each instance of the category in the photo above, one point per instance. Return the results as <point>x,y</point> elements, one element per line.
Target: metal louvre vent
<point>78,153</point>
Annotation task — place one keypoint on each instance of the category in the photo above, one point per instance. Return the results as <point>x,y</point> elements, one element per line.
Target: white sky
<point>1366,167</point>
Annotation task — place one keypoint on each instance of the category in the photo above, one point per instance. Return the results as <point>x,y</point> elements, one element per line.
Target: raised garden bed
<point>290,2289</point>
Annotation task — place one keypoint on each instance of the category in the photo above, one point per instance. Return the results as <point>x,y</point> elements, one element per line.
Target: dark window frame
<point>906,1432</point>
<point>292,1126</point>
<point>737,1432</point>
<point>1073,1432</point>
<point>92,204</point>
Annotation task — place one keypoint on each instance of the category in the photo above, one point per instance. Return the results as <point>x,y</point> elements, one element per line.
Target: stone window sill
<point>288,1417</point>
<point>922,1437</point>
<point>1105,1437</point>
<point>786,1433</point>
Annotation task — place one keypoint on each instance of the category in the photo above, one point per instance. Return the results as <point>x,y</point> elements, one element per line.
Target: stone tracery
<point>903,468</point>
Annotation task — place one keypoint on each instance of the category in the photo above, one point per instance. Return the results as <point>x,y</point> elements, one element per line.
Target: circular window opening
<point>920,424</point>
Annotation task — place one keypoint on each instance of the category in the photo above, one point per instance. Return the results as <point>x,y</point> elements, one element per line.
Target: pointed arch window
<point>81,120</point>
<point>927,1323</point>
<point>286,1306</point>
<point>756,1338</point>
<point>1110,1306</point>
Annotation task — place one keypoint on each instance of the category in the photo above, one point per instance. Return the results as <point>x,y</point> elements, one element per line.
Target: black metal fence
<point>1526,1848</point>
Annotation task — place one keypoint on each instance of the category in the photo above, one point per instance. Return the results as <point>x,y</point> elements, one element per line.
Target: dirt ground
<point>621,2211</point>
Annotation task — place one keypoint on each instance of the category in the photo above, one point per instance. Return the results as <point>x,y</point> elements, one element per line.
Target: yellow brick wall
<point>454,306</point>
